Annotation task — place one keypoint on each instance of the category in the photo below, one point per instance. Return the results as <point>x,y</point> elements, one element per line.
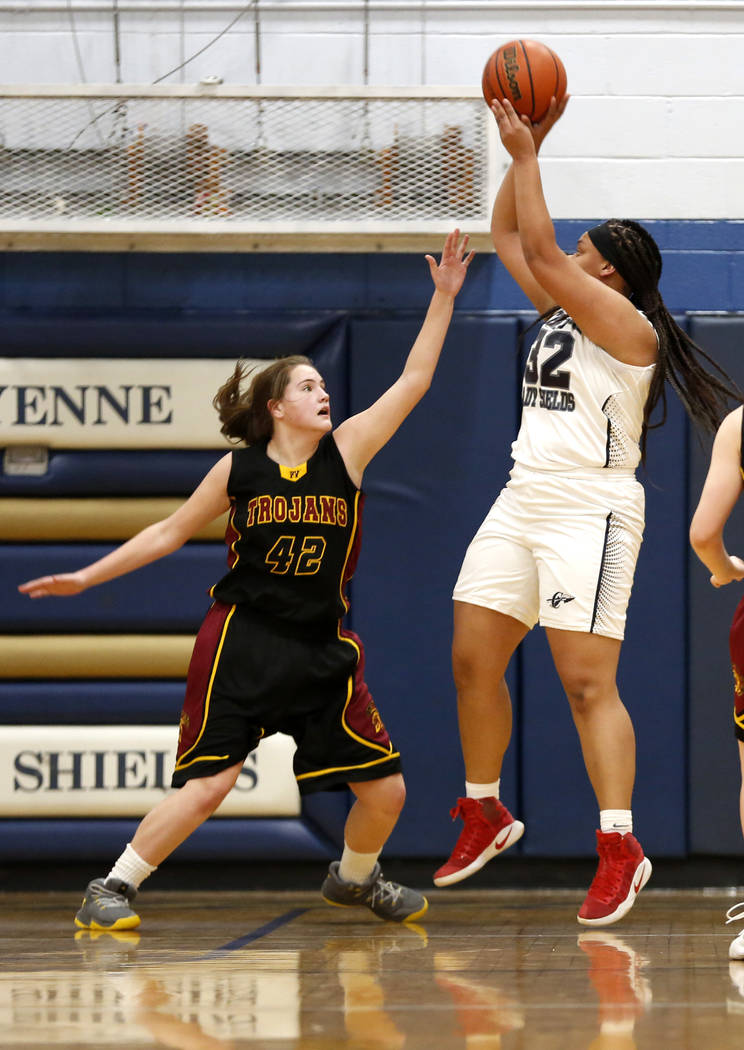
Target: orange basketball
<point>526,72</point>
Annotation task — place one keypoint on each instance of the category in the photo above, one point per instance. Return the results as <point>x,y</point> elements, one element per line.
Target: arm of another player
<point>721,490</point>
<point>206,503</point>
<point>361,436</point>
<point>504,227</point>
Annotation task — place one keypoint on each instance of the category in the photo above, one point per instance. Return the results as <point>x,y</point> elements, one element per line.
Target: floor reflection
<point>623,990</point>
<point>476,976</point>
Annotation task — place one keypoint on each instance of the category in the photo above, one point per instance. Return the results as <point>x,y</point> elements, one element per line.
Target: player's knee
<point>585,692</point>
<point>390,794</point>
<point>466,663</point>
<point>207,793</point>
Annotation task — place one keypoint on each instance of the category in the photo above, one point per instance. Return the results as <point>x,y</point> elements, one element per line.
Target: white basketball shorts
<point>558,550</point>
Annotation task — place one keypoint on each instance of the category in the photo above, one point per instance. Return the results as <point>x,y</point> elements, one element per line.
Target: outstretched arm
<point>504,227</point>
<point>206,503</point>
<point>721,490</point>
<point>361,436</point>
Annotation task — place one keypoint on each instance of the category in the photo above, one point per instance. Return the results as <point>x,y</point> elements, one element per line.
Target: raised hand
<point>63,584</point>
<point>516,131</point>
<point>449,273</point>
<point>541,128</point>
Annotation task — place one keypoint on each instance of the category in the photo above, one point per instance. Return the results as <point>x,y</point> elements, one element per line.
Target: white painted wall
<point>654,125</point>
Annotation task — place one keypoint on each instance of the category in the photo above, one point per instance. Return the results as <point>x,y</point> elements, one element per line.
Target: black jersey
<point>293,536</point>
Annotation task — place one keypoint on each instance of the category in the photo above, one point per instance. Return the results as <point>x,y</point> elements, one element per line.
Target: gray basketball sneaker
<point>106,906</point>
<point>388,900</point>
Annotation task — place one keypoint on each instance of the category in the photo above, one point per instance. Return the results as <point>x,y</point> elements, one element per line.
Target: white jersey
<point>581,408</point>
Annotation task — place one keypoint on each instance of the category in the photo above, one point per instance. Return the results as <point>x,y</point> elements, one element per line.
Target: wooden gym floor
<point>484,970</point>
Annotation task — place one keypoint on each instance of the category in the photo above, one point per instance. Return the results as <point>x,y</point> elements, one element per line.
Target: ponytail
<point>245,415</point>
<point>705,394</point>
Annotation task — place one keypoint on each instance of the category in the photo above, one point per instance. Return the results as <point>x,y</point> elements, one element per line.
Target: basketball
<point>526,72</point>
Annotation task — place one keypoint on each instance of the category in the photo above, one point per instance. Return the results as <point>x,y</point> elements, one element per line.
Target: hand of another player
<point>449,273</point>
<point>736,573</point>
<point>516,132</point>
<point>63,584</point>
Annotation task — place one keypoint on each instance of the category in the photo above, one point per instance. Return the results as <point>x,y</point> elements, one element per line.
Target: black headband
<point>601,238</point>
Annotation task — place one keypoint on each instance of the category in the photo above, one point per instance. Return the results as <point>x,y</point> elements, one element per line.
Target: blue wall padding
<point>170,595</point>
<point>87,702</point>
<point>69,334</point>
<point>325,813</point>
<point>703,270</point>
<point>714,777</point>
<point>428,491</point>
<point>144,472</point>
<point>100,841</point>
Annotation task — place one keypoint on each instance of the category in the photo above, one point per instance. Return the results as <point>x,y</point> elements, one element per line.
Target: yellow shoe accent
<point>338,904</point>
<point>417,914</point>
<point>121,924</point>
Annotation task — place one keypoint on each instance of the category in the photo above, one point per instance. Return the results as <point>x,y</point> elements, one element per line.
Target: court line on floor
<point>255,935</point>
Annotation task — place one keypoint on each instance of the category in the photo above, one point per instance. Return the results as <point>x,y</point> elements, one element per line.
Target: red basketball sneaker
<point>489,830</point>
<point>622,873</point>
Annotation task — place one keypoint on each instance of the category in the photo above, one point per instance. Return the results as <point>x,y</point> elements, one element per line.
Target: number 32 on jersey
<point>546,383</point>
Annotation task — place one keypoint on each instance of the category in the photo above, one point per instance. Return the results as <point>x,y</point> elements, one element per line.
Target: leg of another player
<point>483,644</point>
<point>357,879</point>
<point>735,914</point>
<point>171,822</point>
<point>741,789</point>
<point>587,667</point>
<point>107,902</point>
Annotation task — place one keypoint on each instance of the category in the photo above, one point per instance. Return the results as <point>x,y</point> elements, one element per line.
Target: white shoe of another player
<point>736,948</point>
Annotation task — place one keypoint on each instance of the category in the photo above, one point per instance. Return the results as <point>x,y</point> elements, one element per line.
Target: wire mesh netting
<point>242,160</point>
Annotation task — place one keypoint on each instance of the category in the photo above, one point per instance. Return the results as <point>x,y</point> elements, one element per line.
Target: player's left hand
<point>449,274</point>
<point>61,585</point>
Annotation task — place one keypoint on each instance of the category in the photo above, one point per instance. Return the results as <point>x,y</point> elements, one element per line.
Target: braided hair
<point>245,414</point>
<point>631,249</point>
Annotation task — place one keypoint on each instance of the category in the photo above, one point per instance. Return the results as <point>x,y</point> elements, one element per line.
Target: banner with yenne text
<point>81,403</point>
<point>123,771</point>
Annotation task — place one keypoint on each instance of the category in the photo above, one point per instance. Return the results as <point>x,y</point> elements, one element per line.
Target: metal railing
<point>241,167</point>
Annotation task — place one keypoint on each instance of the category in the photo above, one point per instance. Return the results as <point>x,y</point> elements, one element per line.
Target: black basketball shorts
<point>248,679</point>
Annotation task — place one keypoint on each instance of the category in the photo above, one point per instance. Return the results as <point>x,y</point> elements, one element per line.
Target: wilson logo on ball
<point>511,69</point>
<point>528,74</point>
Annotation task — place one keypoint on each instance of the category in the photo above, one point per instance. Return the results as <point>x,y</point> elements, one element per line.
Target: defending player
<point>721,490</point>
<point>272,654</point>
<point>560,544</point>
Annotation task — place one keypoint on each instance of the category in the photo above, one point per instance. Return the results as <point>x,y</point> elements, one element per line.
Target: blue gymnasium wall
<point>427,493</point>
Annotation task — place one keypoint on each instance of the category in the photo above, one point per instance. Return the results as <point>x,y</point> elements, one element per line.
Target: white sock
<point>356,867</point>
<point>131,868</point>
<point>482,790</point>
<point>620,820</point>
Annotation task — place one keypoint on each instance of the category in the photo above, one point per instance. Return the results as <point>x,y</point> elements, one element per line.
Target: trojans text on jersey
<point>323,510</point>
